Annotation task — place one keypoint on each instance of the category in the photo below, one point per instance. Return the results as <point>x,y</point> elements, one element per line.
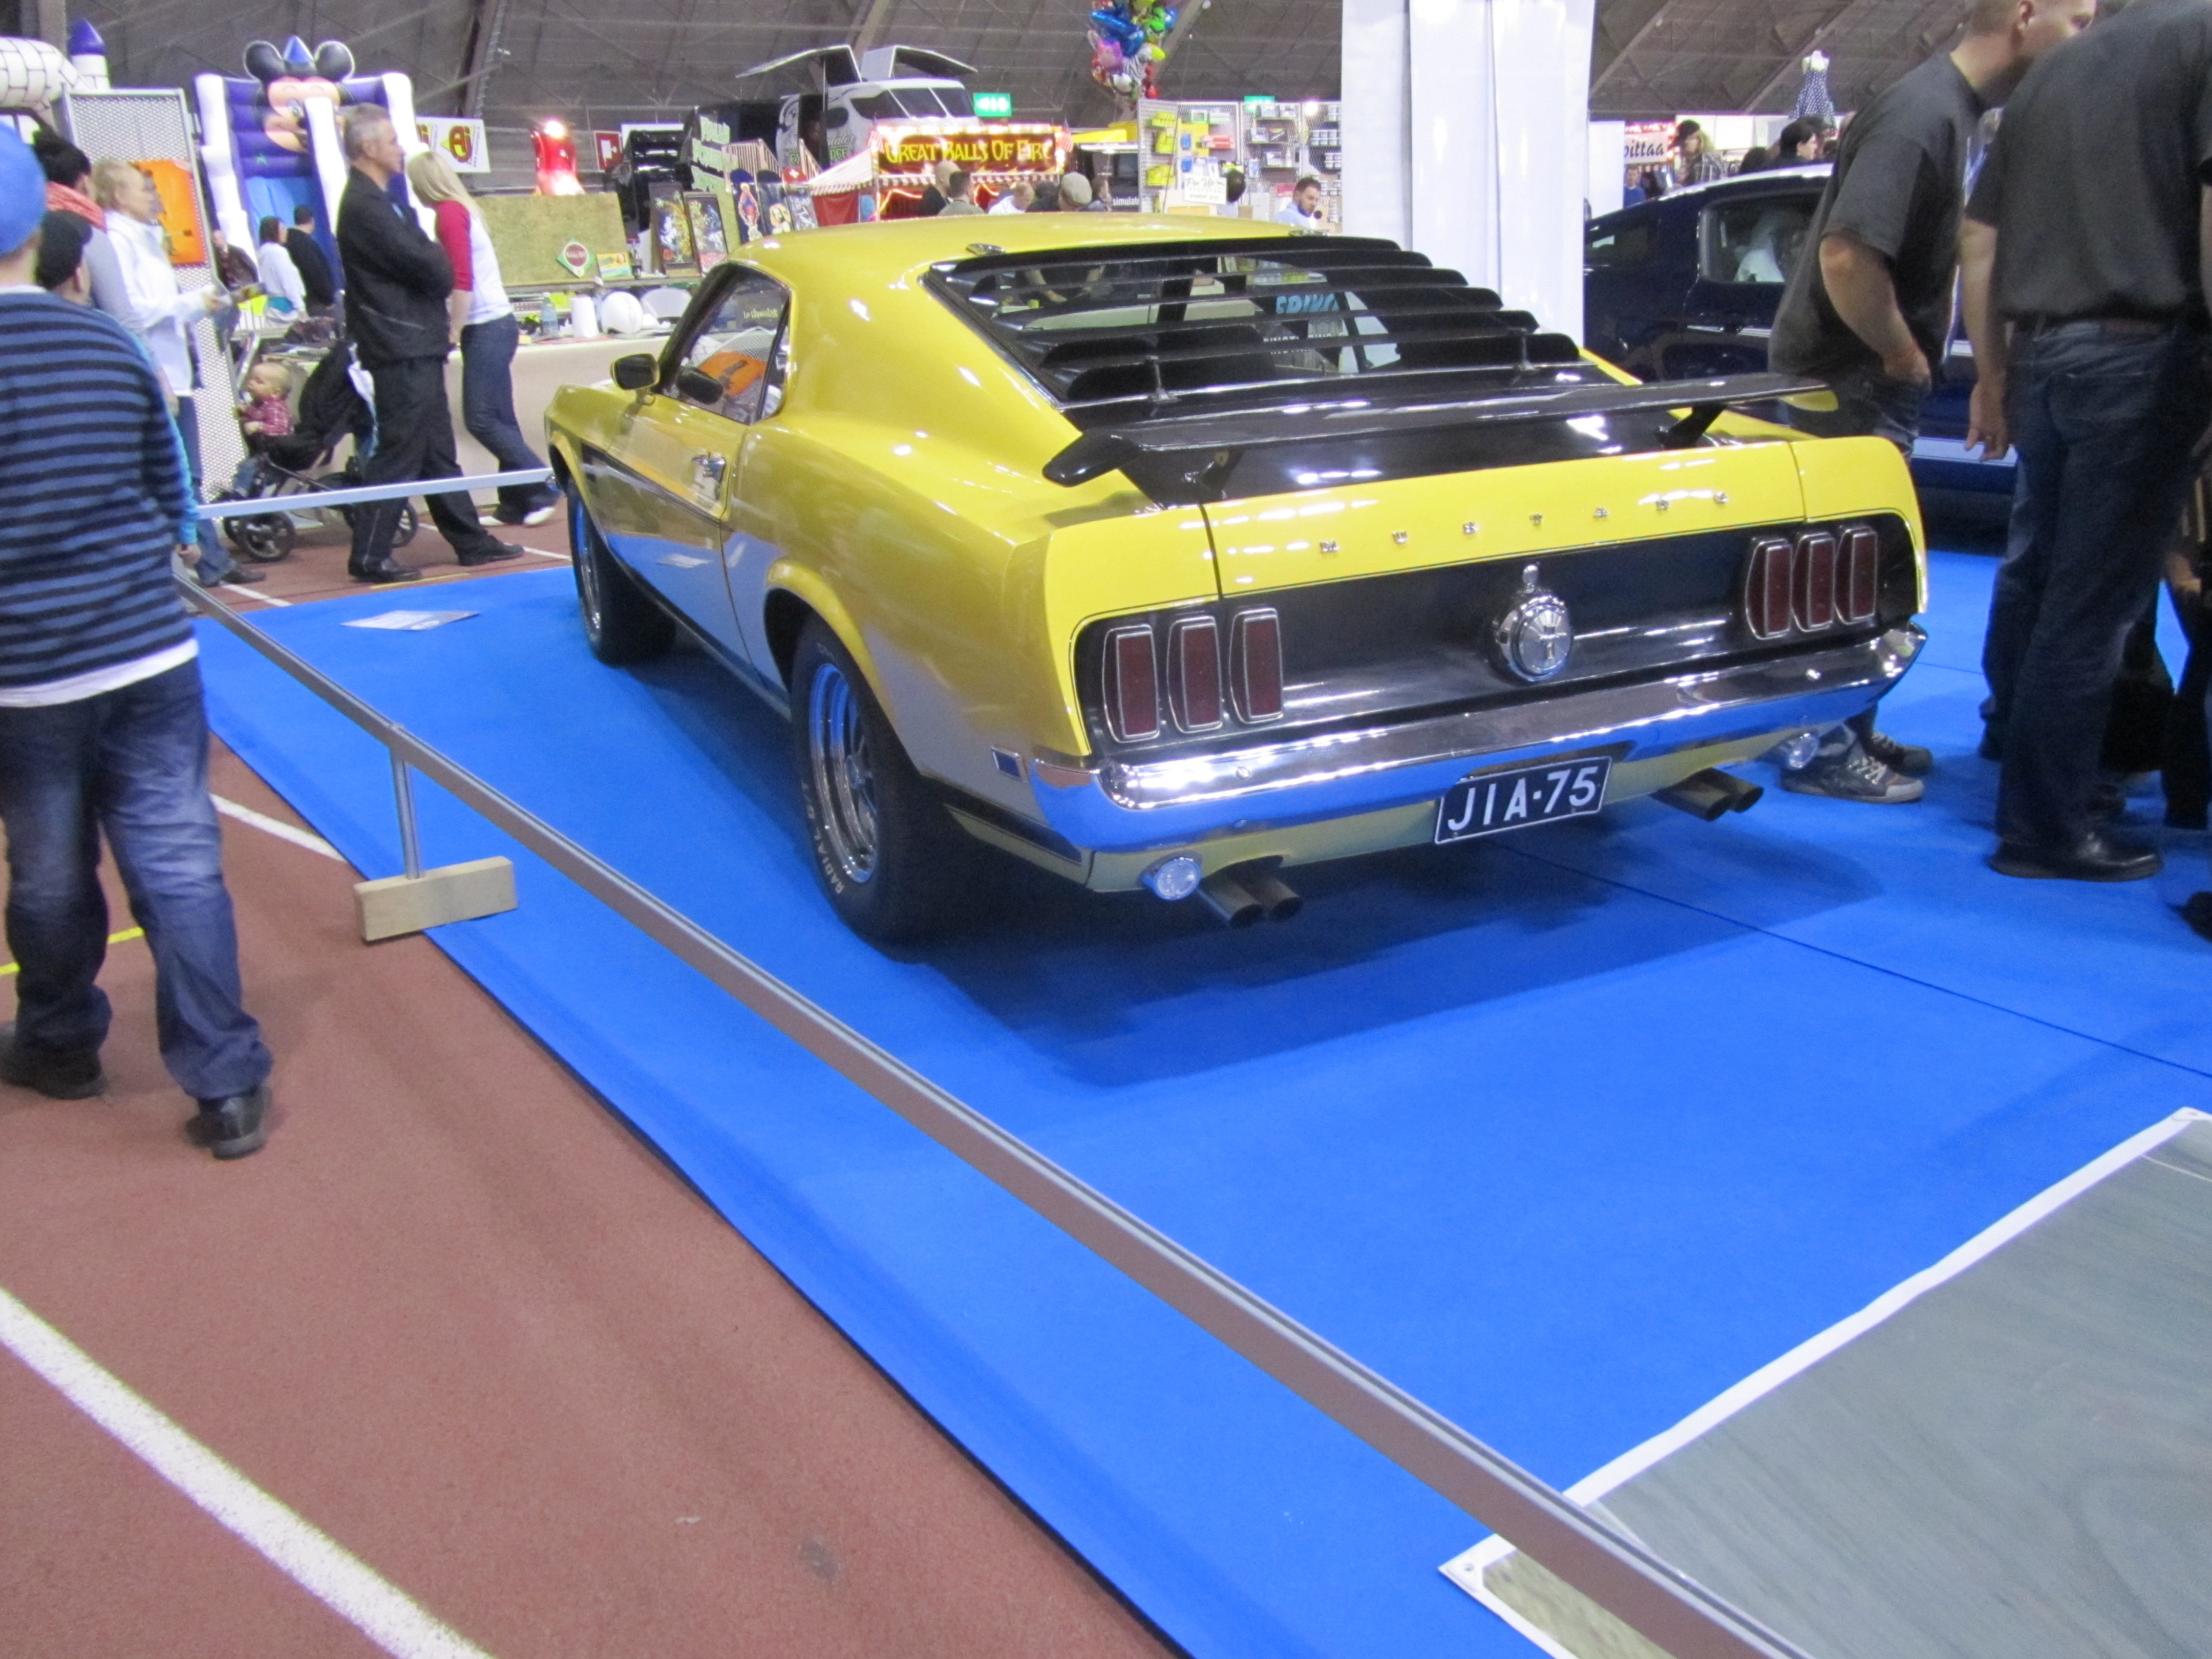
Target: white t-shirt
<point>1288,214</point>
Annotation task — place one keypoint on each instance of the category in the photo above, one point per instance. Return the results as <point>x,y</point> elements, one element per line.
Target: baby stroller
<point>332,409</point>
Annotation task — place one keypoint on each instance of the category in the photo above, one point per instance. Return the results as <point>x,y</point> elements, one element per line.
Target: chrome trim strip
<point>1681,1615</point>
<point>1611,712</point>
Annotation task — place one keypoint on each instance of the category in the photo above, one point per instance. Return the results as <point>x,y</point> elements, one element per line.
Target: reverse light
<point>1194,673</point>
<point>1256,665</point>
<point>1133,684</point>
<point>1173,878</point>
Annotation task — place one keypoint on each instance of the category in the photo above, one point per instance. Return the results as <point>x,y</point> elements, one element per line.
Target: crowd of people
<point>103,243</point>
<point>2074,244</point>
<point>1692,160</point>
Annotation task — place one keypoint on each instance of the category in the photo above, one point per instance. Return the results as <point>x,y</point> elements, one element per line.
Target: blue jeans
<point>2104,418</point>
<point>132,762</point>
<point>488,408</point>
<point>215,561</point>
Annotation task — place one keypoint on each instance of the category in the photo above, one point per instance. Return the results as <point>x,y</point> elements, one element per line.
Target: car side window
<point>1628,244</point>
<point>731,362</point>
<point>1756,240</point>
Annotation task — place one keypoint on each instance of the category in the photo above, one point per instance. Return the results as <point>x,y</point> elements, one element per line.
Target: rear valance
<point>1185,458</point>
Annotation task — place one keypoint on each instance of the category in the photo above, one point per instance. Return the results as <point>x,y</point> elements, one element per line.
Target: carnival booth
<point>886,180</point>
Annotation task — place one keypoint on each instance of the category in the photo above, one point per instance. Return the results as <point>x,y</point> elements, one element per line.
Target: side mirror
<point>637,371</point>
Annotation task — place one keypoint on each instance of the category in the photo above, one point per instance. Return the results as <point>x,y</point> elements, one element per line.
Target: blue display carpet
<point>1565,1132</point>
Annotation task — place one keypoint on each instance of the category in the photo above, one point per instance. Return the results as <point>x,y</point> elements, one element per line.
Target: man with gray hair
<point>398,281</point>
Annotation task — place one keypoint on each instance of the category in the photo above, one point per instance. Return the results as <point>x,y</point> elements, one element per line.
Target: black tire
<point>409,521</point>
<point>620,623</point>
<point>264,537</point>
<point>890,860</point>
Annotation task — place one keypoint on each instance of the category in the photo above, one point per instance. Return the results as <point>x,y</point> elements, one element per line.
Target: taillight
<point>1133,684</point>
<point>1815,597</point>
<point>1858,576</point>
<point>1194,673</point>
<point>1256,665</point>
<point>1766,588</point>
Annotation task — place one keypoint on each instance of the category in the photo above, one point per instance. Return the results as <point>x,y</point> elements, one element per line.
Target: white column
<point>1489,103</point>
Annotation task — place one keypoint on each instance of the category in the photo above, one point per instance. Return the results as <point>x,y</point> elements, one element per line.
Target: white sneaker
<point>539,515</point>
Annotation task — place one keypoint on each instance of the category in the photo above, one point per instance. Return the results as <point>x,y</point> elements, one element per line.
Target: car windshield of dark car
<point>1214,325</point>
<point>1755,240</point>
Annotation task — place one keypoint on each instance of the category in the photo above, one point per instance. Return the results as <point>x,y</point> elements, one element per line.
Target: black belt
<point>2130,326</point>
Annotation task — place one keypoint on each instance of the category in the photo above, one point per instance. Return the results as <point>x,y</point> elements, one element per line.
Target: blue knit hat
<point>22,193</point>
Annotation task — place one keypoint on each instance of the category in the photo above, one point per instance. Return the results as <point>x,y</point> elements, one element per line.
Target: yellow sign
<point>911,152</point>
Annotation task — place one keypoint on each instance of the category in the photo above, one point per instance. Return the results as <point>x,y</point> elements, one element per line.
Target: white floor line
<point>309,1557</point>
<point>541,553</point>
<point>248,594</point>
<point>1465,1570</point>
<point>277,826</point>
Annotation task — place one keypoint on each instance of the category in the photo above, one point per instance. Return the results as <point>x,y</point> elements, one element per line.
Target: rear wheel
<point>263,537</point>
<point>885,851</point>
<point>621,625</point>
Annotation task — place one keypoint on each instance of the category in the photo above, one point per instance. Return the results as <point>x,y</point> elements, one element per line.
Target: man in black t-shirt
<point>2085,298</point>
<point>1871,313</point>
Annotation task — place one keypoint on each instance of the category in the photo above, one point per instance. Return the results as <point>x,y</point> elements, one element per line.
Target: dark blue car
<point>1686,286</point>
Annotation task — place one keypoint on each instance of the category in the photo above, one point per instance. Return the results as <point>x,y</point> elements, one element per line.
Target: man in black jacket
<point>308,260</point>
<point>398,281</point>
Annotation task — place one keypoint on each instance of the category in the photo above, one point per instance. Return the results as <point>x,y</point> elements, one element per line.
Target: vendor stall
<point>886,180</point>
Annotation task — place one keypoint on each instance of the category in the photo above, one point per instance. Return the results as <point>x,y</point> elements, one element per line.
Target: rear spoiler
<point>1194,453</point>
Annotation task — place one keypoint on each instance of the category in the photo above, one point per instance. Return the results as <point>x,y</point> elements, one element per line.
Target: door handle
<point>707,471</point>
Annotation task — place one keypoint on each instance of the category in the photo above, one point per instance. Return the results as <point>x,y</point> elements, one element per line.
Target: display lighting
<point>1821,580</point>
<point>556,160</point>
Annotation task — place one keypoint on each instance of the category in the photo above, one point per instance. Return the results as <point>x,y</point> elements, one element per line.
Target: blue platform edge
<point>1565,1132</point>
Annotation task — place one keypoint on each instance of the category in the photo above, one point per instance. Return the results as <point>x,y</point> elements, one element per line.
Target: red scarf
<point>60,198</point>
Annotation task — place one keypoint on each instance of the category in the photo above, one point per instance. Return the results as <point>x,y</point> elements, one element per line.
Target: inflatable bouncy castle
<point>269,140</point>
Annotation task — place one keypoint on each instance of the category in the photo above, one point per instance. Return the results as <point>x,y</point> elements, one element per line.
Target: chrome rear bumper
<point>1130,805</point>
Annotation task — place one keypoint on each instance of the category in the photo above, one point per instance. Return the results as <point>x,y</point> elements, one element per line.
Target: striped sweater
<point>94,496</point>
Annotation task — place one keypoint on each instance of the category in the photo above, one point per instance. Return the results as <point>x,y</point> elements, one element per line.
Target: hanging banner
<point>1031,150</point>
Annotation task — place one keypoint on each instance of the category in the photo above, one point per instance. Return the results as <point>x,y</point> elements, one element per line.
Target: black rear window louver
<point>1112,333</point>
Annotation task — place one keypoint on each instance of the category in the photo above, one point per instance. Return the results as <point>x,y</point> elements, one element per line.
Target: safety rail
<point>1604,1564</point>
<point>255,506</point>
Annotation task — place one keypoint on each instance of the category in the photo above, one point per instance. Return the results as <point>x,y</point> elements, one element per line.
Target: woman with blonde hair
<point>483,322</point>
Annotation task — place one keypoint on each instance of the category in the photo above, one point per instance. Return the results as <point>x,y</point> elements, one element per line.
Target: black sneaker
<point>495,553</point>
<point>233,1127</point>
<point>1855,775</point>
<point>1909,758</point>
<point>58,1077</point>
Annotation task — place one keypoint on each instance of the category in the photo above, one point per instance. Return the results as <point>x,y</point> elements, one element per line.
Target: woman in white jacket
<point>163,315</point>
<point>280,277</point>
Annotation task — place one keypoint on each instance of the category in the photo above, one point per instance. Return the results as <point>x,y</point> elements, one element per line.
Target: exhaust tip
<point>1230,900</point>
<point>1708,794</point>
<point>1275,895</point>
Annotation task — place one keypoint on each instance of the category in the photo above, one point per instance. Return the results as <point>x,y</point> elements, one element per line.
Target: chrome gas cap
<point>1535,636</point>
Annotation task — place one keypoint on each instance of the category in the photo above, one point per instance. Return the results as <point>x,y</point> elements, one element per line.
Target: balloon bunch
<point>1126,46</point>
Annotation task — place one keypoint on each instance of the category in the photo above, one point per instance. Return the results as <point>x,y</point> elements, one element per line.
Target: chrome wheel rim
<point>587,563</point>
<point>844,775</point>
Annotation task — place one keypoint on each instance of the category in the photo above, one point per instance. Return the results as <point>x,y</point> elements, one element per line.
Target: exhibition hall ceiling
<point>597,63</point>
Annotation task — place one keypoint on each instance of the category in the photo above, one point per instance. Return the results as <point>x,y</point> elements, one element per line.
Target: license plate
<point>1489,802</point>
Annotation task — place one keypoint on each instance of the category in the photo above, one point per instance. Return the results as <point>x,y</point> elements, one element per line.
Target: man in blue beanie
<point>101,723</point>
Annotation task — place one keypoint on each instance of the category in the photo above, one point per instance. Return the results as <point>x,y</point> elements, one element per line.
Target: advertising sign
<point>608,147</point>
<point>993,106</point>
<point>462,139</point>
<point>1035,150</point>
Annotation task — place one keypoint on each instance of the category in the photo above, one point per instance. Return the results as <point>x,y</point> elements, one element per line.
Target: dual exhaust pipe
<point>1239,897</point>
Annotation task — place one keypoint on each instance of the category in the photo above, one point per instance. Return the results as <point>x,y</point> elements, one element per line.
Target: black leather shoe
<point>233,1127</point>
<point>2196,911</point>
<point>497,553</point>
<point>2096,857</point>
<point>237,573</point>
<point>390,571</point>
<point>58,1077</point>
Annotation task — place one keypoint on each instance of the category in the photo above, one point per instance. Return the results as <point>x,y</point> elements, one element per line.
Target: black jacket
<point>397,279</point>
<point>313,268</point>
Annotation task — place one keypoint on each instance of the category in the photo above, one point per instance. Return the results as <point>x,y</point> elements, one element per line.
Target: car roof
<point>891,252</point>
<point>1742,184</point>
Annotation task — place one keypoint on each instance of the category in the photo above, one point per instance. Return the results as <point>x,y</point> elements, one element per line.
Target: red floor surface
<point>459,1318</point>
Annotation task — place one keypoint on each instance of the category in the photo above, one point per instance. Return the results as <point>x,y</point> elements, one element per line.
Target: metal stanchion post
<point>403,794</point>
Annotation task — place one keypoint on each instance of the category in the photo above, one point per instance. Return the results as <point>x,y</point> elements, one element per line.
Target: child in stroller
<point>282,463</point>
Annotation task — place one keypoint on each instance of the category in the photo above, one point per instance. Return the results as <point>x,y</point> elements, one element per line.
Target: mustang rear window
<point>1111,333</point>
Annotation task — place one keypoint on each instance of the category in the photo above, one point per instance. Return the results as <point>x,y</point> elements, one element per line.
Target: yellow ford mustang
<point>1172,553</point>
